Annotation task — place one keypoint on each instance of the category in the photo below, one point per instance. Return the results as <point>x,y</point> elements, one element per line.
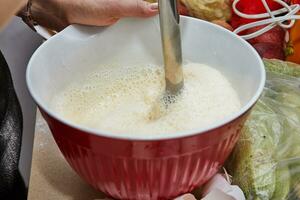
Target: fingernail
<point>154,6</point>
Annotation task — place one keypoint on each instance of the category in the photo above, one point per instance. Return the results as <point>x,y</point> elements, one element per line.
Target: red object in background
<point>141,169</point>
<point>270,44</point>
<point>274,36</point>
<point>183,10</point>
<point>295,1</point>
<point>269,50</point>
<point>251,7</point>
<point>293,47</point>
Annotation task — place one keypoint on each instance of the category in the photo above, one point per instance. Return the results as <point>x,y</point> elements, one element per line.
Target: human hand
<point>57,14</point>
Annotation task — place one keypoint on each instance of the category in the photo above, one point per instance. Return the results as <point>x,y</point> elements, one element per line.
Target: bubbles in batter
<point>124,100</point>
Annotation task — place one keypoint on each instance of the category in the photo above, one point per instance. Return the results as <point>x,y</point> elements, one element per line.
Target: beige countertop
<point>51,176</point>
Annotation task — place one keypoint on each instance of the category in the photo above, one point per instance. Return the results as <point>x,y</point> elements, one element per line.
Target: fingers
<point>107,12</point>
<point>116,9</point>
<point>143,9</point>
<point>135,8</point>
<point>103,22</point>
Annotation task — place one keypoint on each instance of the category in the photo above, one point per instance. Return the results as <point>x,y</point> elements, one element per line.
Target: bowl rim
<point>159,137</point>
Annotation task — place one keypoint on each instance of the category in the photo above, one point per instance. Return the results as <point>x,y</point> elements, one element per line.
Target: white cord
<point>270,18</point>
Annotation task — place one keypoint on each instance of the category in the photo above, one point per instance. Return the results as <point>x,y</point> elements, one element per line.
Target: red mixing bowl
<point>137,167</point>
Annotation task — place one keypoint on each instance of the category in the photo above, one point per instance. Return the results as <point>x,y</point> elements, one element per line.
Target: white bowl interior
<point>78,50</point>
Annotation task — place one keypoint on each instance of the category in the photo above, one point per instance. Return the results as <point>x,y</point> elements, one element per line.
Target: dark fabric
<point>11,184</point>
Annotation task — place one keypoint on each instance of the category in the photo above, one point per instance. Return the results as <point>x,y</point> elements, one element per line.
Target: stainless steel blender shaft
<point>171,42</point>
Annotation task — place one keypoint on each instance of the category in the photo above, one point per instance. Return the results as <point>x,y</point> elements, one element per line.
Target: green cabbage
<point>282,188</point>
<point>266,160</point>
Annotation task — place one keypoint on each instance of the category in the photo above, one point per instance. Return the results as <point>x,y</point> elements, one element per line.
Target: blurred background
<point>17,43</point>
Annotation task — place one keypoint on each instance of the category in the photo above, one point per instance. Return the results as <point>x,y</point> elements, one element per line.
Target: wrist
<point>26,15</point>
<point>48,14</point>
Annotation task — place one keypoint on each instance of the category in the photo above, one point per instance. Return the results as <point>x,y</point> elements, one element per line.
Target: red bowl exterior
<point>162,169</point>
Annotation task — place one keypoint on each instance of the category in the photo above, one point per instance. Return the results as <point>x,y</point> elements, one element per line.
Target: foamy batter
<point>122,100</point>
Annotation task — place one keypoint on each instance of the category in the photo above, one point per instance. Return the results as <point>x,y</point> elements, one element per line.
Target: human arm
<point>57,14</point>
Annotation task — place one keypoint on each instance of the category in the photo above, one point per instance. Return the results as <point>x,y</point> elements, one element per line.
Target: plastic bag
<point>266,160</point>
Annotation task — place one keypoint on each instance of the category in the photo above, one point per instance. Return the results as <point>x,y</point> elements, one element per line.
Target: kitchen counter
<point>53,179</point>
<point>51,176</point>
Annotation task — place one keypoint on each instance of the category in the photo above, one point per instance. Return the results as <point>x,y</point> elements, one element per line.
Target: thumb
<point>138,8</point>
